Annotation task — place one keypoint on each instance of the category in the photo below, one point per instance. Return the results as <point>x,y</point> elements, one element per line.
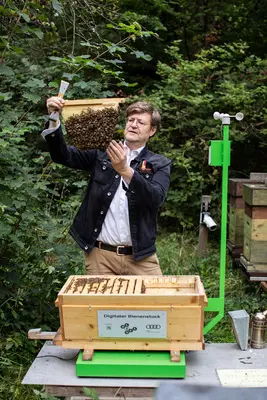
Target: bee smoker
<point>258,330</point>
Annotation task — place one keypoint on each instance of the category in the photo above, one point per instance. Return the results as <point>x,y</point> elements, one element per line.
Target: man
<point>116,223</point>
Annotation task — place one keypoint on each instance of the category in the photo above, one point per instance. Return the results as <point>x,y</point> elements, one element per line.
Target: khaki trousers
<point>104,262</point>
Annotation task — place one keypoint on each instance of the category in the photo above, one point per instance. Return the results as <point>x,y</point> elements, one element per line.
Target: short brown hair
<point>144,107</point>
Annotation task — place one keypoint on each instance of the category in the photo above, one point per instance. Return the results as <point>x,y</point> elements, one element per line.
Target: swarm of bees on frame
<point>92,129</point>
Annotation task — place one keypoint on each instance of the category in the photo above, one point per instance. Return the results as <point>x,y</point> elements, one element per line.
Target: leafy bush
<point>39,199</point>
<point>225,79</point>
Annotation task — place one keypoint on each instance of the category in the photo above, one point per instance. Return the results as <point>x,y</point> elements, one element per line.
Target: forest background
<point>190,58</point>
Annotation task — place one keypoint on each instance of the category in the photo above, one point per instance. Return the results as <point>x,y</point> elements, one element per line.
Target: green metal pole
<point>225,166</point>
<point>221,158</point>
<point>220,155</point>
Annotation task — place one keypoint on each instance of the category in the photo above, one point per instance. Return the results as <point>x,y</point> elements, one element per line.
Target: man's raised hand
<point>54,104</point>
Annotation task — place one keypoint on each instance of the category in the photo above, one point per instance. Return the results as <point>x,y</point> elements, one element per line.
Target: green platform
<point>131,364</point>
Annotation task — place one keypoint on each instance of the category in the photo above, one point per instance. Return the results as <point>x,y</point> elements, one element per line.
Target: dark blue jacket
<point>146,193</point>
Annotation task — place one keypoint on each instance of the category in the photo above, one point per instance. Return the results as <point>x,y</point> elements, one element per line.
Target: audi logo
<point>153,326</point>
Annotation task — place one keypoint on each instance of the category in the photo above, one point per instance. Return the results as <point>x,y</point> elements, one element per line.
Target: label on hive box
<point>132,324</point>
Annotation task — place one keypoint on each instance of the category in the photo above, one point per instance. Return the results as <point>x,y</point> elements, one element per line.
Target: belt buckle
<point>117,250</point>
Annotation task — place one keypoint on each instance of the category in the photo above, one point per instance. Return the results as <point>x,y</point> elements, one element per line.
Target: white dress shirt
<point>116,226</point>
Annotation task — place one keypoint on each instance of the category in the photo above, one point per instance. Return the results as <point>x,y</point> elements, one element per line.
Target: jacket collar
<point>142,154</point>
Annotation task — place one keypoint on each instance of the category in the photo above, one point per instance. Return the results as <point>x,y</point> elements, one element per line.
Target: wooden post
<point>203,229</point>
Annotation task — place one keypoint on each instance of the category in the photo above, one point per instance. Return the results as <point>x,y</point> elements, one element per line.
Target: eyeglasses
<point>139,122</point>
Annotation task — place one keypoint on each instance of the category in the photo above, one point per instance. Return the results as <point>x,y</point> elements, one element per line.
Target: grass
<point>177,255</point>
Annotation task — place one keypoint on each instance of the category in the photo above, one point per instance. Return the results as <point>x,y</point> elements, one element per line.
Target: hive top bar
<point>74,107</point>
<point>132,285</point>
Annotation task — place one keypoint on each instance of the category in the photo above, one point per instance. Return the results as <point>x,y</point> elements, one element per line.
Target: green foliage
<point>222,78</point>
<point>198,25</point>
<point>36,258</point>
<point>38,198</point>
<point>92,393</point>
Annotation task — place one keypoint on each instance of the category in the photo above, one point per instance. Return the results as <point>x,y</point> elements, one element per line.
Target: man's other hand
<point>118,157</point>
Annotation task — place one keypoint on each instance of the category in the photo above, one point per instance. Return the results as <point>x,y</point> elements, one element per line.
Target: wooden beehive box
<point>76,107</point>
<point>237,210</point>
<point>255,225</point>
<point>132,313</point>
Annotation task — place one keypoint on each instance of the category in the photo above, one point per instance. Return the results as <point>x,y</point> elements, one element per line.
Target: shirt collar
<point>135,152</point>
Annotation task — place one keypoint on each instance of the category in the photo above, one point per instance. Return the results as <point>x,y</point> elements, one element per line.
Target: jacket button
<point>147,176</point>
<point>86,248</point>
<point>53,135</point>
<point>116,176</point>
<point>101,212</point>
<point>108,193</point>
<point>95,230</point>
<point>104,167</point>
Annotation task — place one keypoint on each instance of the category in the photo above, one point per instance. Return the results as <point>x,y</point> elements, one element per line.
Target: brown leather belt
<point>119,250</point>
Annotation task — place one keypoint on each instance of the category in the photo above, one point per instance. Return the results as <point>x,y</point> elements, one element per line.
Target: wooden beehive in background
<point>236,214</point>
<point>91,123</point>
<point>255,228</point>
<point>132,313</point>
<point>237,209</point>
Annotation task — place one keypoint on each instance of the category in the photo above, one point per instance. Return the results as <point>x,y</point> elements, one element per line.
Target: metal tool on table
<point>258,330</point>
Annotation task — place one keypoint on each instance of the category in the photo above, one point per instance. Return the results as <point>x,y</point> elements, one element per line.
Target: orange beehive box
<point>132,313</point>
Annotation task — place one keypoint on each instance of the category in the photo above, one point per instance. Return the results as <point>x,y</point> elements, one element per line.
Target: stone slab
<point>201,367</point>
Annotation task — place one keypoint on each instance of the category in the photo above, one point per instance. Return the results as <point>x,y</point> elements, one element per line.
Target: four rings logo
<point>153,326</point>
<point>128,330</point>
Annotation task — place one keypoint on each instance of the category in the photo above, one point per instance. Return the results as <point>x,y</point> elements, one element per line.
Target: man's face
<point>138,130</point>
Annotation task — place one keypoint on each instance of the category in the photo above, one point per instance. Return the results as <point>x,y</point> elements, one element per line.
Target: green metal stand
<point>219,156</point>
<point>131,364</point>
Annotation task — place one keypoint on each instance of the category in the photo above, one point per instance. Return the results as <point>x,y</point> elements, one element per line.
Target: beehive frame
<point>76,107</point>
